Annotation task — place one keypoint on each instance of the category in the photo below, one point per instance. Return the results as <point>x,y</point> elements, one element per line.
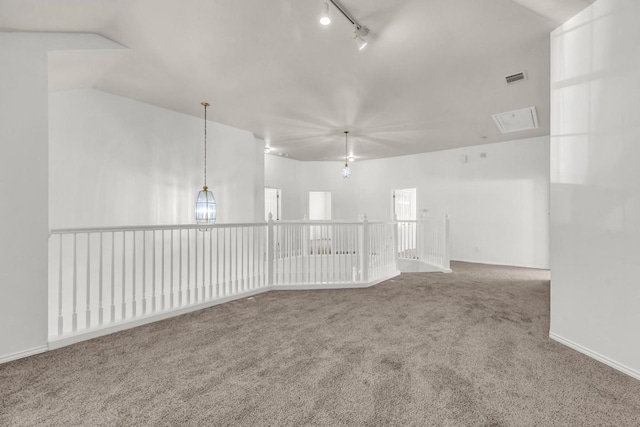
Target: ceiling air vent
<point>518,120</point>
<point>514,78</point>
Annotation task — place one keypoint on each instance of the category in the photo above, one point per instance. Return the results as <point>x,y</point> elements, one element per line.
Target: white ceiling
<point>430,79</point>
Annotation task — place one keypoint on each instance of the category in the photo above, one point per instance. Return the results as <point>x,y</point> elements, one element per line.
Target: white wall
<point>24,183</point>
<point>595,183</point>
<point>283,173</point>
<point>498,204</point>
<point>115,161</point>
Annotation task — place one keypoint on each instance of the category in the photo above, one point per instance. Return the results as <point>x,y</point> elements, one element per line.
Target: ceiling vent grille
<point>514,78</point>
<point>518,120</point>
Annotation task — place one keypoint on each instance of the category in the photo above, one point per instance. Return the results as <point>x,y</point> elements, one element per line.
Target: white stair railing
<point>101,277</point>
<point>111,275</point>
<point>426,241</point>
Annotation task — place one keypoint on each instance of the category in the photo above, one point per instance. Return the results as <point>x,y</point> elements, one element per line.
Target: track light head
<point>359,34</point>
<point>325,19</point>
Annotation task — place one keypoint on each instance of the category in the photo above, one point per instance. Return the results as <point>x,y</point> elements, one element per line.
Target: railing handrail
<point>153,227</point>
<point>202,226</point>
<point>111,274</point>
<point>316,222</point>
<point>416,221</point>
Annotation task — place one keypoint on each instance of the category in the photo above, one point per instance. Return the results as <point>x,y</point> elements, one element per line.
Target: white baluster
<point>188,266</point>
<point>211,263</point>
<point>123,314</point>
<point>100,308</point>
<point>225,254</point>
<point>196,296</point>
<point>88,284</point>
<point>218,295</point>
<point>447,243</point>
<point>242,260</point>
<point>60,318</point>
<point>75,284</point>
<point>153,274</point>
<point>144,272</point>
<point>112,311</point>
<point>270,248</point>
<point>234,245</point>
<point>365,250</point>
<point>180,270</point>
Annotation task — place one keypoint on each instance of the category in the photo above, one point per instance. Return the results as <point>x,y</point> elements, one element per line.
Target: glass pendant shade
<point>346,171</point>
<point>205,207</point>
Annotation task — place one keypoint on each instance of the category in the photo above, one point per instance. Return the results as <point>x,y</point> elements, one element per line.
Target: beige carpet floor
<point>465,349</point>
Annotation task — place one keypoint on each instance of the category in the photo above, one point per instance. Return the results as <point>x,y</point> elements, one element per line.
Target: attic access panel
<point>517,120</point>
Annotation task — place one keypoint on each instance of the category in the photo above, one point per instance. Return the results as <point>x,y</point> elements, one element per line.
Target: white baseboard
<point>100,331</point>
<point>23,353</point>
<point>477,261</point>
<point>419,266</point>
<point>600,358</point>
<point>302,287</point>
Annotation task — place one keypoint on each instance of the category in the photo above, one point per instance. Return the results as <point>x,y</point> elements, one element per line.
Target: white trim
<point>597,356</point>
<point>23,353</point>
<point>435,268</point>
<point>476,261</point>
<point>66,340</point>
<point>302,287</point>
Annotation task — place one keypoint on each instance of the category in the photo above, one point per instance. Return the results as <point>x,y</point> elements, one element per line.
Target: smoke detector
<point>515,78</point>
<point>517,120</point>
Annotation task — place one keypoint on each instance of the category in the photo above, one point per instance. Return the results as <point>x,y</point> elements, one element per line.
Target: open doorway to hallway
<point>404,206</point>
<point>320,208</point>
<point>272,203</point>
<point>405,212</point>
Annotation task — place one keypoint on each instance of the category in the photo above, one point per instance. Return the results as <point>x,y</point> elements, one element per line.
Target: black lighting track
<point>344,12</point>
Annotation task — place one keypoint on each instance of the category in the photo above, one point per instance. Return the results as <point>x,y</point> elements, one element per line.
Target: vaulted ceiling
<point>430,78</point>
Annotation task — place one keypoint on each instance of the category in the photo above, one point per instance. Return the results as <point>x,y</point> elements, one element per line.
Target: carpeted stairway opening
<point>469,348</point>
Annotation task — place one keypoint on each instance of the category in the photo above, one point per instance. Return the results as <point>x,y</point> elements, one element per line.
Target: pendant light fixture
<point>346,171</point>
<point>205,202</point>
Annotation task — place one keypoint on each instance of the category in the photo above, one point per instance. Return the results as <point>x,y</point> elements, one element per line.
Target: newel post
<point>270,248</point>
<point>447,243</point>
<point>365,249</point>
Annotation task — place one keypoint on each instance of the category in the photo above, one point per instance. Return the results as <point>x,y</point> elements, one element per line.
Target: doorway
<point>272,203</point>
<point>405,212</point>
<point>320,208</point>
<point>404,206</point>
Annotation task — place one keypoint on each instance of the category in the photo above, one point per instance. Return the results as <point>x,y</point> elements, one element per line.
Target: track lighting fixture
<point>359,33</point>
<point>325,19</point>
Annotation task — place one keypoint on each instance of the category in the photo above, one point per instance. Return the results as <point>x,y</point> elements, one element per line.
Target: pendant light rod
<point>205,105</point>
<point>346,171</point>
<point>345,13</point>
<point>346,148</point>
